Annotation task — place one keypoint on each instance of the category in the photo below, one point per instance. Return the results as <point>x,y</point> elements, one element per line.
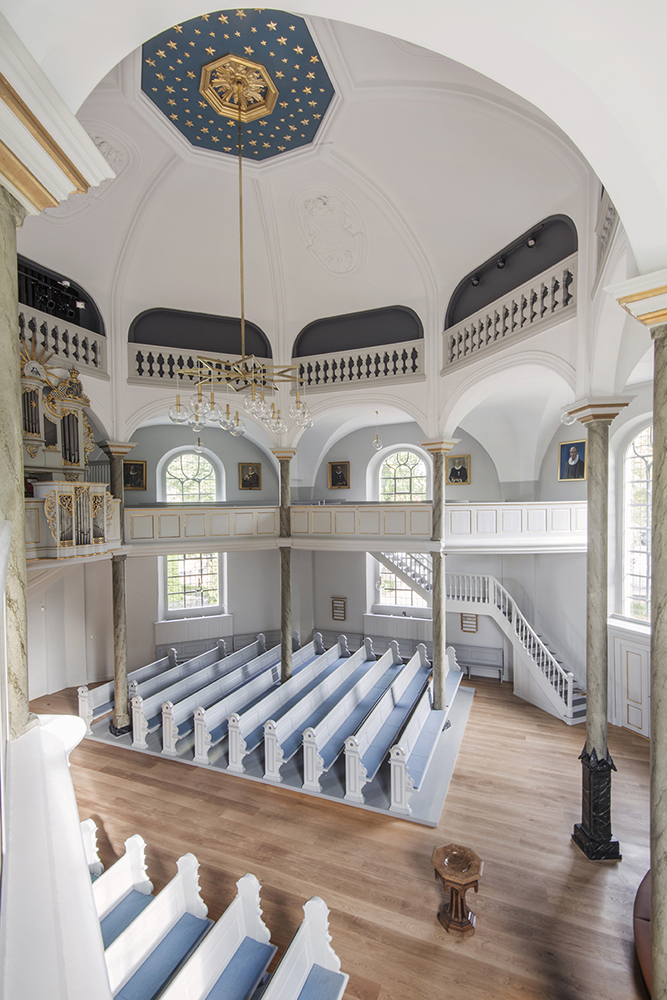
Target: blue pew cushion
<point>241,976</point>
<point>123,914</point>
<point>420,757</point>
<point>322,984</point>
<point>148,980</point>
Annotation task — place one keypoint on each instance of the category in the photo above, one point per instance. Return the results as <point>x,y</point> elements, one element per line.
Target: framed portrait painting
<point>134,475</point>
<point>250,476</point>
<point>458,470</point>
<point>572,460</point>
<point>339,475</point>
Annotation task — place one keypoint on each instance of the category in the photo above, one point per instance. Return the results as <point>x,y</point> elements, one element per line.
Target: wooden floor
<point>551,925</point>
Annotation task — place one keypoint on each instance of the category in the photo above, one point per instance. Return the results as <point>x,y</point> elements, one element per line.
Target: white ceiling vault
<point>424,168</point>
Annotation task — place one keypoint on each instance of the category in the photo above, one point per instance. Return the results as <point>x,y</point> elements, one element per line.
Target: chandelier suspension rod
<point>241,272</point>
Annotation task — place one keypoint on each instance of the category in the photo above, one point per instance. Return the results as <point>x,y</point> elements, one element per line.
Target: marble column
<point>438,451</point>
<point>659,670</point>
<point>119,723</point>
<point>12,501</point>
<point>284,456</point>
<point>645,298</point>
<point>593,834</point>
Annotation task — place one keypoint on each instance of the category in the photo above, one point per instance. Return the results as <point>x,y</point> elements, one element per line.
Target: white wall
<point>253,590</point>
<point>70,628</point>
<point>151,443</point>
<point>340,574</point>
<point>141,580</point>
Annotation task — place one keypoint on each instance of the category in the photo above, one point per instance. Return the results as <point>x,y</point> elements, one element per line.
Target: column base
<point>596,850</point>
<point>119,730</point>
<point>593,834</point>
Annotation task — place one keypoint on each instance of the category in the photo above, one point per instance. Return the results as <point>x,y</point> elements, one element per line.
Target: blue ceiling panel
<point>172,65</point>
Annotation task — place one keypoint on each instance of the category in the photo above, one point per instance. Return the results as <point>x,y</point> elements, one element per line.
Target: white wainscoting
<point>366,523</point>
<point>173,632</point>
<point>535,527</point>
<point>160,526</point>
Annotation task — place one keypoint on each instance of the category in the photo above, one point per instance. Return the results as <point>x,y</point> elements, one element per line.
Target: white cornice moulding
<point>55,124</point>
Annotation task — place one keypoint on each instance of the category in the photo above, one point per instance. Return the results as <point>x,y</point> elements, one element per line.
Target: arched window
<point>193,579</point>
<point>637,491</point>
<point>402,478</point>
<point>190,478</point>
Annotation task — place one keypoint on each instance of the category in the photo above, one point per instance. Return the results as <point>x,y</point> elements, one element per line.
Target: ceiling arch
<point>587,71</point>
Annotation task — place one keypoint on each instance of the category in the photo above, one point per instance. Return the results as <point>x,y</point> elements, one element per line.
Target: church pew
<point>146,954</point>
<point>310,968</point>
<point>147,712</point>
<point>152,685</point>
<point>415,745</point>
<point>369,745</point>
<point>95,704</point>
<point>211,724</point>
<point>245,730</point>
<point>123,891</point>
<point>233,957</point>
<point>282,735</point>
<point>178,718</point>
<point>323,743</point>
<point>89,836</point>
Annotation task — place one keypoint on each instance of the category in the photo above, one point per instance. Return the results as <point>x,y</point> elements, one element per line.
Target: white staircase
<point>548,683</point>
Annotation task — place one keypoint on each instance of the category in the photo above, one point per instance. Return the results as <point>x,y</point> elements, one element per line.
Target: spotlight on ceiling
<point>474,280</point>
<point>500,263</point>
<point>531,241</point>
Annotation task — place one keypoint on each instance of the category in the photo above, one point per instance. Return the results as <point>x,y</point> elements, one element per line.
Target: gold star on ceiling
<point>151,62</point>
<point>223,19</point>
<point>178,28</point>
<point>299,50</point>
<point>161,53</point>
<point>282,41</point>
<point>272,25</point>
<point>241,13</point>
<point>172,45</point>
<point>210,51</point>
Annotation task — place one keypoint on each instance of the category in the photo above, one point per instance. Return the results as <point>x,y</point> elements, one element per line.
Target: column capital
<point>284,454</point>
<point>586,411</point>
<point>114,448</point>
<point>433,447</point>
<point>644,298</point>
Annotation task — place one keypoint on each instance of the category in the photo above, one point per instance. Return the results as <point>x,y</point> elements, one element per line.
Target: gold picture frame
<point>250,476</point>
<point>569,471</point>
<point>134,475</point>
<point>339,475</point>
<point>458,470</point>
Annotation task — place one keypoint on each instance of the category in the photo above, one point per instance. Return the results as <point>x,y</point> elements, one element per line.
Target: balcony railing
<point>549,298</point>
<point>72,346</point>
<point>348,369</point>
<point>370,527</point>
<point>148,363</point>
<point>71,519</point>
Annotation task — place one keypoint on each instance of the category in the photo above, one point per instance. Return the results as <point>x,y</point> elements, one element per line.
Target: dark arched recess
<point>53,293</point>
<point>353,331</point>
<point>555,238</point>
<point>189,331</point>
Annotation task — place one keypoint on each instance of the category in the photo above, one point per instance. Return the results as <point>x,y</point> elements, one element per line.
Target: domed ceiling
<point>192,73</point>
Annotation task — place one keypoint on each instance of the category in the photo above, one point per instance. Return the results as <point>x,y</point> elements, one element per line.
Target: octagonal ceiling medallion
<point>223,80</point>
<point>191,73</point>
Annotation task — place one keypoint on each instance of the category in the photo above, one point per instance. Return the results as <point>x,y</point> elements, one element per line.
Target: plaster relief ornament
<point>332,232</point>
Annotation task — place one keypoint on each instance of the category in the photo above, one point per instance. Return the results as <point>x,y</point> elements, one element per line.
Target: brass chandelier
<point>248,374</point>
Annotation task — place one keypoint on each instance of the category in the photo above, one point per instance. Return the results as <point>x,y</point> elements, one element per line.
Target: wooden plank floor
<point>551,925</point>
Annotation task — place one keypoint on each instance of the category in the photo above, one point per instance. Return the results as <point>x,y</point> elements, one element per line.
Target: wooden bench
<point>123,891</point>
<point>178,719</point>
<point>145,955</point>
<point>89,836</point>
<point>369,745</point>
<point>310,968</point>
<point>283,734</point>
<point>211,724</point>
<point>233,958</point>
<point>154,684</point>
<point>147,712</point>
<point>246,729</point>
<point>416,742</point>
<point>324,742</point>
<point>96,703</point>
<point>481,660</point>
